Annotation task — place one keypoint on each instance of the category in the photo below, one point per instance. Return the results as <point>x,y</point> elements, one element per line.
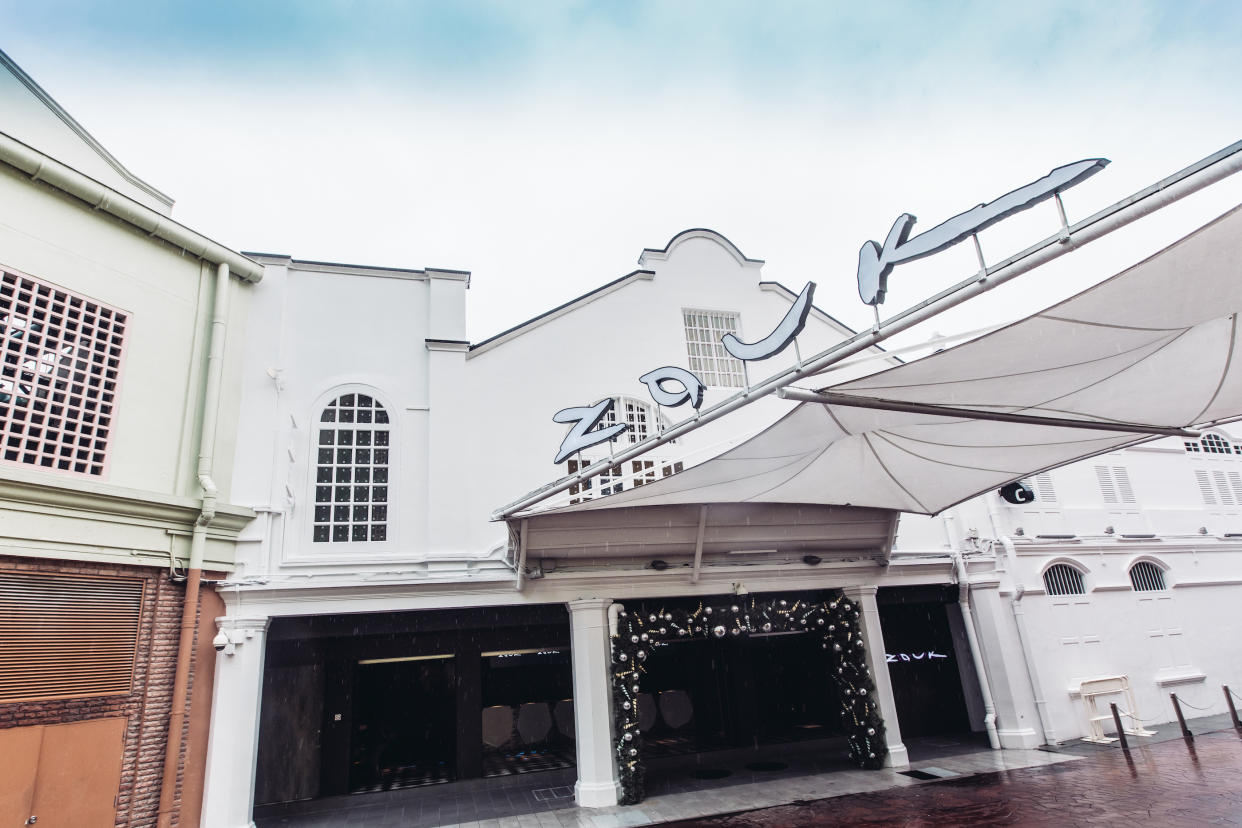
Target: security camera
<point>220,641</point>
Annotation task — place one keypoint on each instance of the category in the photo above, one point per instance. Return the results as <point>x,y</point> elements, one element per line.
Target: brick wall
<point>149,702</point>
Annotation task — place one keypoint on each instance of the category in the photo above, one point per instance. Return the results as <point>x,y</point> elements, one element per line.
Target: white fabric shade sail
<point>1156,345</point>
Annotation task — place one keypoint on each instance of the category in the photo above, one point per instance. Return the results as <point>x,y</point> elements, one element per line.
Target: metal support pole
<point>1181,720</point>
<point>1233,711</point>
<point>1121,733</point>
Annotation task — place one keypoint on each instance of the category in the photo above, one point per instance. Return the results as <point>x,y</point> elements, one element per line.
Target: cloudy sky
<point>542,145</point>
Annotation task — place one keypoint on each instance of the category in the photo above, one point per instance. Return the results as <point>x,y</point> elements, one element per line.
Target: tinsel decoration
<point>837,621</point>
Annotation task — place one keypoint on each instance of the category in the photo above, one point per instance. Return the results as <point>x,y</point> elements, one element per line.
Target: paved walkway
<point>1161,784</point>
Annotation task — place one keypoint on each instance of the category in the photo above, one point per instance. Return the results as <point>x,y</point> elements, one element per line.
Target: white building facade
<point>377,442</point>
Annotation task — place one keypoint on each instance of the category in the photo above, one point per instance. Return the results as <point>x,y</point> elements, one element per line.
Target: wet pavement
<point>1162,783</point>
<point>952,781</point>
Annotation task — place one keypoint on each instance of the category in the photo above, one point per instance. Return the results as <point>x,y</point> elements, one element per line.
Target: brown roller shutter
<point>66,636</point>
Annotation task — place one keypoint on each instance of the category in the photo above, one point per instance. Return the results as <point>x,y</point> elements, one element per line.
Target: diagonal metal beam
<point>830,398</point>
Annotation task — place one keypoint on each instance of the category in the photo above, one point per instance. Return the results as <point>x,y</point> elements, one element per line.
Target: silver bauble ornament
<point>623,657</point>
<point>836,647</point>
<point>718,631</point>
<point>633,639</point>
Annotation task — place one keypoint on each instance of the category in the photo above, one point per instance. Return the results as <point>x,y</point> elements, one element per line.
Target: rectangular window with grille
<point>65,636</point>
<point>60,364</point>
<point>709,360</point>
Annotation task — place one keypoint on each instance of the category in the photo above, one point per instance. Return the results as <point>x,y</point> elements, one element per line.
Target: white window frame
<point>1068,564</point>
<point>1162,574</point>
<point>352,551</point>
<point>706,355</point>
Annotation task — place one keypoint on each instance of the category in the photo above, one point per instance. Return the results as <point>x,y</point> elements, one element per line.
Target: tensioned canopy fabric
<point>1155,345</point>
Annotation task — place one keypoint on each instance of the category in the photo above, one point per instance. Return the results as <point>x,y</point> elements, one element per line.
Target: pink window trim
<point>61,358</point>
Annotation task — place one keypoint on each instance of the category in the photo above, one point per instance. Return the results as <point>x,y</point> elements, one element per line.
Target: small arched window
<point>1145,576</point>
<point>642,419</point>
<point>1215,444</point>
<point>1063,579</point>
<point>351,471</point>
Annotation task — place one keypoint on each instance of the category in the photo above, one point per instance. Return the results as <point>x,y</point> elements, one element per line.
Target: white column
<point>228,791</point>
<point>864,598</point>
<point>597,785</point>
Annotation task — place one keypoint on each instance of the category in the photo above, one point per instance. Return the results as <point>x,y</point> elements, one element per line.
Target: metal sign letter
<point>781,336</point>
<point>581,436</point>
<point>692,386</point>
<point>875,263</point>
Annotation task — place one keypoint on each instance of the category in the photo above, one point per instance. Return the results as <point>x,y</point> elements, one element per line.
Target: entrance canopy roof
<point>1154,347</point>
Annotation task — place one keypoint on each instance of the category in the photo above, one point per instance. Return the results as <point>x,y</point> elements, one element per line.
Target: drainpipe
<point>1019,619</point>
<point>1024,637</point>
<point>968,621</point>
<point>198,544</point>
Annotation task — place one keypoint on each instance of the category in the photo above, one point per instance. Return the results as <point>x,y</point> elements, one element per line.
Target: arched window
<point>351,471</point>
<point>1215,444</point>
<point>1145,576</point>
<point>1212,444</point>
<point>643,421</point>
<point>1063,579</point>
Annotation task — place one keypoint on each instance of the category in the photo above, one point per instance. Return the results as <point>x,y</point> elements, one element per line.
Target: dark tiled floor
<point>495,798</point>
<point>1165,783</point>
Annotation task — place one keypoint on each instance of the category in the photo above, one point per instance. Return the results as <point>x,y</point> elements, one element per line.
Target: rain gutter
<point>177,740</point>
<point>101,197</point>
<point>1019,620</point>
<point>968,621</point>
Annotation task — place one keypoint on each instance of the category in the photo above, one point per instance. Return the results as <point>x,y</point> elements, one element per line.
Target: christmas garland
<point>836,621</point>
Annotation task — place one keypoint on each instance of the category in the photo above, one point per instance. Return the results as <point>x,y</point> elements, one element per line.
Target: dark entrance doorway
<point>923,661</point>
<point>404,717</point>
<point>760,663</point>
<point>362,703</point>
<point>737,693</point>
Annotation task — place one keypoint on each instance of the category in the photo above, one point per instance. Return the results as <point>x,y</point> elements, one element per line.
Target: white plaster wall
<point>1180,640</point>
<point>168,297</point>
<point>318,332</point>
<point>600,350</point>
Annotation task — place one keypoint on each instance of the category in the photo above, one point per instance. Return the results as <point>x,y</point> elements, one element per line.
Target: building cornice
<point>81,132</point>
<point>46,170</point>
<point>22,490</point>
